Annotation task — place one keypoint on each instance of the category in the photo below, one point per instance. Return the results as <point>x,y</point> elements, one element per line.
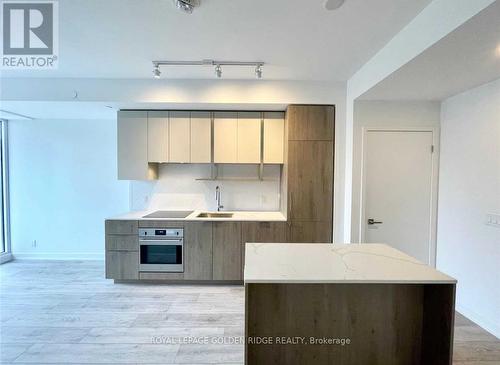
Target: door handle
<point>372,221</point>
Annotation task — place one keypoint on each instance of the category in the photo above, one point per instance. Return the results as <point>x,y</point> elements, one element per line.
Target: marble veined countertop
<point>332,263</point>
<point>238,216</point>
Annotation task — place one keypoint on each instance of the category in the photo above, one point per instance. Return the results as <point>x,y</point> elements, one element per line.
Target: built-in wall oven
<point>161,249</point>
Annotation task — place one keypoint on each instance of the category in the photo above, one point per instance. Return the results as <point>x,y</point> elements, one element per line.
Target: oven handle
<point>175,242</point>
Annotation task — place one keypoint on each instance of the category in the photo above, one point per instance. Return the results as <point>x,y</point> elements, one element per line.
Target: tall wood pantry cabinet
<point>309,172</point>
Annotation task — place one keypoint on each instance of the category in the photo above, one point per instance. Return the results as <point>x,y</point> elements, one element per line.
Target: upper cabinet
<point>201,137</point>
<point>274,137</point>
<point>132,128</point>
<point>179,137</point>
<point>249,137</point>
<point>148,138</point>
<point>226,137</point>
<point>158,140</point>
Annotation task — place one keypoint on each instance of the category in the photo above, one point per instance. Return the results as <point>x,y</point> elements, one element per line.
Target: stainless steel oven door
<point>161,255</point>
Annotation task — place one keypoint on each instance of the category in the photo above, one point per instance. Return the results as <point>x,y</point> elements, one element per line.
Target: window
<point>4,201</point>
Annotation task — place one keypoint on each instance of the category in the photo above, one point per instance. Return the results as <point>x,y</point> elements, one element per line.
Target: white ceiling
<point>466,58</point>
<point>298,39</point>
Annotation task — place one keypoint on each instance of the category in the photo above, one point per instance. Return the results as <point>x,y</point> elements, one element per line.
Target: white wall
<point>468,249</point>
<point>62,186</point>
<point>177,188</point>
<point>384,114</point>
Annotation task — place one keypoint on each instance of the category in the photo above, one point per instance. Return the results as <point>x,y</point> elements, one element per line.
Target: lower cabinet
<point>212,250</point>
<point>226,243</point>
<point>273,232</point>
<point>122,265</point>
<point>309,232</point>
<point>198,251</point>
<point>263,232</point>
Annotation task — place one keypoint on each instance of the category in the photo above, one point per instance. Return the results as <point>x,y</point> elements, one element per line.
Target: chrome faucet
<point>217,198</point>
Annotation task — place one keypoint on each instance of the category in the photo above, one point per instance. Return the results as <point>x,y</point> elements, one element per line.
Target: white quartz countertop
<point>237,216</point>
<point>329,263</point>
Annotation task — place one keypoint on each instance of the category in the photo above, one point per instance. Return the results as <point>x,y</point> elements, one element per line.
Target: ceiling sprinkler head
<point>333,4</point>
<point>187,6</point>
<point>156,72</point>
<point>218,71</point>
<point>258,71</point>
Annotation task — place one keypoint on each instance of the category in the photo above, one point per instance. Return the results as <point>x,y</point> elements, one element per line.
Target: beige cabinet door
<point>274,137</point>
<point>158,136</point>
<point>201,137</point>
<point>249,137</point>
<point>179,137</point>
<point>132,153</point>
<point>225,137</point>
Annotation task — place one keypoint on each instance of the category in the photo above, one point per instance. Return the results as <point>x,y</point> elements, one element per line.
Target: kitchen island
<point>345,304</point>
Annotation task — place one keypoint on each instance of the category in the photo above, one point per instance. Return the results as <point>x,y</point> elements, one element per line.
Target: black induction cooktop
<point>169,214</point>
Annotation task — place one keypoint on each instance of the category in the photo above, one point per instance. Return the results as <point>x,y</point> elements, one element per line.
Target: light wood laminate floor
<point>65,312</point>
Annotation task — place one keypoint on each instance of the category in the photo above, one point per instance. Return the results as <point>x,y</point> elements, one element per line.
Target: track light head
<point>258,71</point>
<point>187,6</point>
<point>333,4</point>
<point>218,71</point>
<point>156,72</point>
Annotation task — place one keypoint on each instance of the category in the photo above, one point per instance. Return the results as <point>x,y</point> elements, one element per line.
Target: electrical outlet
<point>493,219</point>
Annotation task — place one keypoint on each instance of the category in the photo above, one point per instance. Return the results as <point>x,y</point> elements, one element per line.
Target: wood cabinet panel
<point>201,137</point>
<point>227,251</point>
<point>274,137</point>
<point>122,243</point>
<point>161,224</point>
<point>121,227</point>
<point>310,180</point>
<point>249,137</point>
<point>168,276</point>
<point>311,122</point>
<point>132,147</point>
<point>158,140</point>
<point>122,265</point>
<point>263,232</point>
<point>225,137</point>
<point>309,232</point>
<point>198,251</point>
<point>179,137</point>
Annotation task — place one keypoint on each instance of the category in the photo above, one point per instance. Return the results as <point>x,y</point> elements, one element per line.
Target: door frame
<point>434,182</point>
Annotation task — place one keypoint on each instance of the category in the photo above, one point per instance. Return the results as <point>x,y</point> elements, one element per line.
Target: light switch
<point>493,220</point>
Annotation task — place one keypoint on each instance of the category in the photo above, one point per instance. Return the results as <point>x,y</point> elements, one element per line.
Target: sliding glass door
<point>4,191</point>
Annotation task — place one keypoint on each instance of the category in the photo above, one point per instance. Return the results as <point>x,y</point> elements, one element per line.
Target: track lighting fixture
<point>187,6</point>
<point>218,71</point>
<point>218,66</point>
<point>333,4</point>
<point>156,72</point>
<point>258,71</point>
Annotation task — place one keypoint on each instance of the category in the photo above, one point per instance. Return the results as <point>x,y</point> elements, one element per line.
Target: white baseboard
<point>5,257</point>
<point>487,324</point>
<point>59,256</point>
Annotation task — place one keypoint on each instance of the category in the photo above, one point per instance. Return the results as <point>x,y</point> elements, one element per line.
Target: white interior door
<point>397,191</point>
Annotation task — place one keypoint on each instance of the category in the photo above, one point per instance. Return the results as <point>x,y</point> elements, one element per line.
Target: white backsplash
<point>178,189</point>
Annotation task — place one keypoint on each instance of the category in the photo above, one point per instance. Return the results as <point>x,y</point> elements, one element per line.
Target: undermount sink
<point>214,215</point>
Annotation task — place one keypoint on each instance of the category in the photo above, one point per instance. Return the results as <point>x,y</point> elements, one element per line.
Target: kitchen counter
<point>327,263</point>
<point>345,304</point>
<point>238,216</point>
